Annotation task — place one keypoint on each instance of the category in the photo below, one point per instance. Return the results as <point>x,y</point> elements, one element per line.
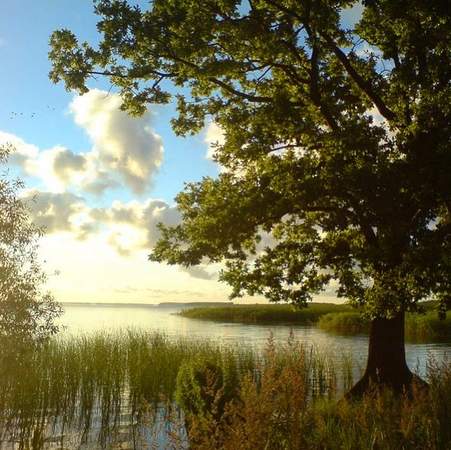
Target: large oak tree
<point>337,143</point>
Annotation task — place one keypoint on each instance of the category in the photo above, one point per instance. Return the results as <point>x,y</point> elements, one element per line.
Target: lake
<point>87,318</point>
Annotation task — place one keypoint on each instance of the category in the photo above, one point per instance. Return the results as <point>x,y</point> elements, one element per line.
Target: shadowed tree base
<point>386,365</point>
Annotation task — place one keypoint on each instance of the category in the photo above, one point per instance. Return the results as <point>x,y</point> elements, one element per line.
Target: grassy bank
<point>339,319</point>
<point>265,313</point>
<point>418,327</point>
<point>152,392</point>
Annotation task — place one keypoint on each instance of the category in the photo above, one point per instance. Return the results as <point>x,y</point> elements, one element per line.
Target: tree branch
<point>359,80</point>
<point>232,90</point>
<point>315,93</point>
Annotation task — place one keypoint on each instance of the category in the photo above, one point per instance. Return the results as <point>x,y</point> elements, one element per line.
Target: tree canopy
<point>337,137</point>
<point>27,313</point>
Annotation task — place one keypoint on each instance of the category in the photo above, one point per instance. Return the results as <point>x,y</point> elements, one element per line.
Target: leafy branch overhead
<point>336,138</point>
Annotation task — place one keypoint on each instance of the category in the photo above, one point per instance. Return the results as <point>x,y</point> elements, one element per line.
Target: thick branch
<point>315,93</point>
<point>232,90</point>
<point>359,80</point>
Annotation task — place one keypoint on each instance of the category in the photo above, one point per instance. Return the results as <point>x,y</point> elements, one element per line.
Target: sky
<point>96,179</point>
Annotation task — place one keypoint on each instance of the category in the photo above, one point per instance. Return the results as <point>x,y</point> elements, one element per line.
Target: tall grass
<point>340,319</point>
<point>275,411</point>
<point>264,313</point>
<point>93,386</point>
<point>418,327</point>
<point>147,391</point>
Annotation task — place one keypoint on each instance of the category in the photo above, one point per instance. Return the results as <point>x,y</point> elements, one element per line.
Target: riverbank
<point>144,389</point>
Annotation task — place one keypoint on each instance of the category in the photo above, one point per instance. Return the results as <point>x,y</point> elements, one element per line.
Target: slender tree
<point>27,313</point>
<point>336,142</point>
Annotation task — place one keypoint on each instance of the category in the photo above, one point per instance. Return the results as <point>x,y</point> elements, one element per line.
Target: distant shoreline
<point>148,305</point>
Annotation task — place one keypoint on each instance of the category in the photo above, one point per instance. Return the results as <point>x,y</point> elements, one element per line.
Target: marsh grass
<point>418,327</point>
<point>94,386</point>
<point>119,386</point>
<point>264,313</point>
<point>333,318</point>
<point>276,411</point>
<point>118,390</point>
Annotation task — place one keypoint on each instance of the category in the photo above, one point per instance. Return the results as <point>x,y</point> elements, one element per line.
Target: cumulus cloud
<point>59,212</point>
<point>66,162</point>
<point>128,226</point>
<point>125,150</point>
<point>136,220</point>
<point>22,151</point>
<point>122,144</point>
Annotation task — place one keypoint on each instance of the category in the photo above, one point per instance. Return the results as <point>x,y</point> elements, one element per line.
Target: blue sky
<point>36,110</point>
<point>105,264</point>
<point>100,214</point>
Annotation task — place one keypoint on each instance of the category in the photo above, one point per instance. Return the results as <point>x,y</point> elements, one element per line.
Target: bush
<point>276,412</point>
<point>205,385</point>
<point>26,312</point>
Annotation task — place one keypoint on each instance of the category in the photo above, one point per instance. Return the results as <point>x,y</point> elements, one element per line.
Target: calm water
<point>91,318</point>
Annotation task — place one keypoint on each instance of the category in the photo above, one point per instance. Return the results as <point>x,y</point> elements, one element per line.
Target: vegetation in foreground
<point>146,390</point>
<point>276,410</point>
<point>27,312</point>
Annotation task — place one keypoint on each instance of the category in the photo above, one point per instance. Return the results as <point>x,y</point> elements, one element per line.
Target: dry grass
<point>276,410</point>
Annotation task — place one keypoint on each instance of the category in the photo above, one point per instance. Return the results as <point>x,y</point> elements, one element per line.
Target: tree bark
<point>386,364</point>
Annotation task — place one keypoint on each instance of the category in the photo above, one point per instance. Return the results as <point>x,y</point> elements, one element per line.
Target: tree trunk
<point>386,365</point>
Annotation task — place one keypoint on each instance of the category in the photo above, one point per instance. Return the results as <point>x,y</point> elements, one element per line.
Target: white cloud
<point>128,228</point>
<point>134,224</point>
<point>60,212</point>
<point>125,152</point>
<point>22,150</point>
<point>122,144</point>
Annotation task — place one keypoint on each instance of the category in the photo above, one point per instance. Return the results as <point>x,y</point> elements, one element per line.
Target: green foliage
<point>360,200</point>
<point>205,385</point>
<point>344,323</point>
<point>264,313</point>
<point>428,327</point>
<point>418,327</point>
<point>27,313</point>
<point>96,386</point>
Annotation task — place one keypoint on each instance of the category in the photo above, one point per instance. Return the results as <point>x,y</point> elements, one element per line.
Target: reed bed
<point>418,327</point>
<point>264,313</point>
<point>93,388</point>
<point>92,385</point>
<point>133,389</point>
